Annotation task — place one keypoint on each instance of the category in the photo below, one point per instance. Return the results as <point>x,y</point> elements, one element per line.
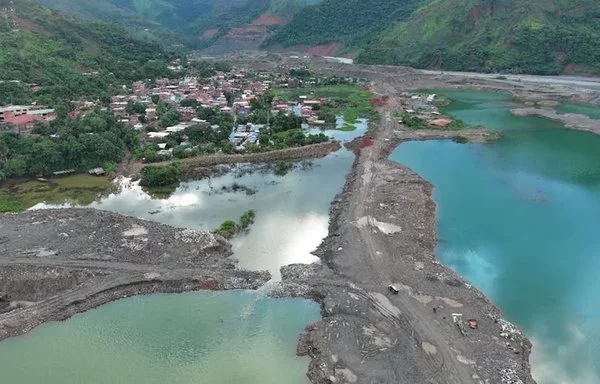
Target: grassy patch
<point>348,100</point>
<point>414,122</point>
<point>456,125</point>
<point>161,175</point>
<point>230,228</point>
<point>347,128</point>
<point>9,203</point>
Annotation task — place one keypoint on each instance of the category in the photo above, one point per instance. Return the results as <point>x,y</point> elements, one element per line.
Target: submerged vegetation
<point>282,168</point>
<point>230,228</point>
<point>77,189</point>
<point>460,140</point>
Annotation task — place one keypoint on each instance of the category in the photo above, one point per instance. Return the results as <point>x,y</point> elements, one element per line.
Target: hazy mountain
<point>197,22</point>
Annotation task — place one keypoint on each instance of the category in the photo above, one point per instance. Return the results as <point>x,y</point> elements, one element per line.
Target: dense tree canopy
<point>78,144</point>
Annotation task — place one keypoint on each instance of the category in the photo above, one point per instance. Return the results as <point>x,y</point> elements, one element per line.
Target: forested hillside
<point>68,58</point>
<point>534,36</point>
<point>350,22</point>
<point>120,12</point>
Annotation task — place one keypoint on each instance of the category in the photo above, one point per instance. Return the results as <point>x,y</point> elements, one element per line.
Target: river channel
<point>519,218</point>
<point>199,337</point>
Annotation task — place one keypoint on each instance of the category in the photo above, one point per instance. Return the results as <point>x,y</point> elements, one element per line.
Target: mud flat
<point>56,263</point>
<point>383,231</point>
<point>570,120</point>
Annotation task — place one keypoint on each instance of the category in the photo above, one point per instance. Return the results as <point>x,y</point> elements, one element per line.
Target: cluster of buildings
<point>245,134</point>
<point>187,93</point>
<point>424,107</point>
<point>305,107</point>
<point>23,118</point>
<point>228,92</point>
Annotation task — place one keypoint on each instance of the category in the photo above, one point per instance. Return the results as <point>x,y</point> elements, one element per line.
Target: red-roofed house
<point>24,120</point>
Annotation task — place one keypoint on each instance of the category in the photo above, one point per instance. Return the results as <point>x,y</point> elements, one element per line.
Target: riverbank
<point>296,153</point>
<point>570,120</point>
<point>383,231</point>
<point>56,263</point>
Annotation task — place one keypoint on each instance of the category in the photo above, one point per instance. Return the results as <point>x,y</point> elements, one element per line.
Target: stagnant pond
<point>292,210</point>
<point>520,218</point>
<point>209,337</point>
<point>199,337</point>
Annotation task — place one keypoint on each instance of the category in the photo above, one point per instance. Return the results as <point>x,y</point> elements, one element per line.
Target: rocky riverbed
<point>55,263</point>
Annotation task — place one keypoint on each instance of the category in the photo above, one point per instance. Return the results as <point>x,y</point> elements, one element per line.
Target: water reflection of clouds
<point>563,363</point>
<point>133,200</point>
<point>291,211</point>
<point>263,247</point>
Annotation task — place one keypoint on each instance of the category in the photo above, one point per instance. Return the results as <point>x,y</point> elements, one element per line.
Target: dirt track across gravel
<point>382,231</point>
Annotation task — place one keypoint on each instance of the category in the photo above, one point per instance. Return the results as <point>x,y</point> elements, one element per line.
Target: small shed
<point>441,123</point>
<point>97,171</point>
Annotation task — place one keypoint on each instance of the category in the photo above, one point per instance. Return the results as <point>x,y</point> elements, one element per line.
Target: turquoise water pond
<point>520,218</point>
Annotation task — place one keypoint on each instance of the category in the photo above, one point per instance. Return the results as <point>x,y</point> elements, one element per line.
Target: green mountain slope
<point>351,22</point>
<point>534,36</point>
<point>69,58</point>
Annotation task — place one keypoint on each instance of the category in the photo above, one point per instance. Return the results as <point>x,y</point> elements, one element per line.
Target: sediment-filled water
<point>190,338</point>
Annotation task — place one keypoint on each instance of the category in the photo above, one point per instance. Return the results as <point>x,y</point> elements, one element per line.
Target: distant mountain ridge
<point>533,36</point>
<point>197,23</point>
